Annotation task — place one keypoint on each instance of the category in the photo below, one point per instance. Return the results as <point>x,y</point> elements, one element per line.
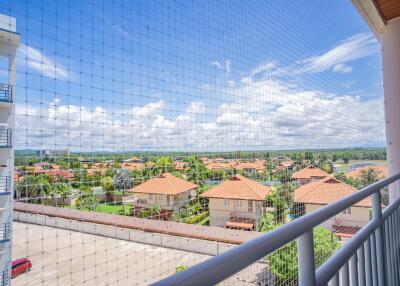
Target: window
<point>251,207</point>
<point>347,211</point>
<point>150,196</point>
<point>168,200</point>
<point>238,204</point>
<point>226,202</point>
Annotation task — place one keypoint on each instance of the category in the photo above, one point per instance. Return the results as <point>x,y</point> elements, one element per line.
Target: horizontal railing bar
<point>332,265</point>
<point>220,267</point>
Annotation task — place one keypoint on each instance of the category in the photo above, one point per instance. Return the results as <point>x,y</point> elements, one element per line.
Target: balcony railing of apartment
<point>5,93</point>
<point>5,232</point>
<point>5,137</point>
<point>5,184</point>
<point>370,257</point>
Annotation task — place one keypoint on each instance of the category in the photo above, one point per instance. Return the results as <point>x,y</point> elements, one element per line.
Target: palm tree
<point>62,191</point>
<point>156,209</point>
<point>369,176</point>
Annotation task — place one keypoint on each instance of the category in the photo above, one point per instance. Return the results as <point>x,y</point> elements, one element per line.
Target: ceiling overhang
<point>377,13</point>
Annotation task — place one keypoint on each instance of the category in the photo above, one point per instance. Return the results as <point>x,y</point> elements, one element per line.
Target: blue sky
<point>195,75</point>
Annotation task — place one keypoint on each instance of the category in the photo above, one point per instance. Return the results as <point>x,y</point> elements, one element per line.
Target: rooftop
<point>309,172</point>
<point>326,191</point>
<point>238,187</point>
<point>164,184</point>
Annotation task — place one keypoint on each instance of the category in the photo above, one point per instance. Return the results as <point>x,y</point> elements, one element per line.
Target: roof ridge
<point>169,182</point>
<point>245,182</point>
<point>316,185</point>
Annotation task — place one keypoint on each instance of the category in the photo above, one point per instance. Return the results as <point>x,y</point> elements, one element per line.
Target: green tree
<point>268,222</point>
<point>165,164</point>
<point>283,262</point>
<point>369,177</point>
<point>107,184</point>
<point>123,180</point>
<point>62,191</point>
<point>35,188</point>
<point>86,200</point>
<point>327,167</point>
<point>155,210</point>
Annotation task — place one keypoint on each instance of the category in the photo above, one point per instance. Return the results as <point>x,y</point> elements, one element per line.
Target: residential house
<point>312,196</point>
<point>165,190</point>
<point>132,166</point>
<point>286,164</point>
<point>52,170</point>
<point>237,203</point>
<point>381,172</point>
<point>308,175</point>
<point>250,168</point>
<point>180,165</point>
<point>219,166</point>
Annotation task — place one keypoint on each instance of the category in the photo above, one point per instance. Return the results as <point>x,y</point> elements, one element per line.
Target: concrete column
<point>391,83</point>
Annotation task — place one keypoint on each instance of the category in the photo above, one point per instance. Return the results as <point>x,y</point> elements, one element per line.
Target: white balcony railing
<point>371,257</point>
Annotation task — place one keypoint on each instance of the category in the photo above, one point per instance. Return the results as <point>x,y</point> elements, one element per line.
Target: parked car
<point>20,266</point>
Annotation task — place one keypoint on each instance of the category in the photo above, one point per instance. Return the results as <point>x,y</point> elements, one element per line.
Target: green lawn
<point>111,208</point>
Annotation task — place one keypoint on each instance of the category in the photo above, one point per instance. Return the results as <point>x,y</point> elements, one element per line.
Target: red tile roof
<point>164,184</point>
<point>325,191</point>
<point>309,172</point>
<point>381,172</point>
<point>238,187</point>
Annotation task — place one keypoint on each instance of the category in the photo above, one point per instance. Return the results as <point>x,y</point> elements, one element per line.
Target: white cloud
<point>342,68</point>
<point>37,61</point>
<point>351,49</point>
<point>216,64</point>
<point>264,114</point>
<point>262,68</point>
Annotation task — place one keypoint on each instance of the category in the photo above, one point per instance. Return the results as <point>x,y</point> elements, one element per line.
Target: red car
<point>20,266</point>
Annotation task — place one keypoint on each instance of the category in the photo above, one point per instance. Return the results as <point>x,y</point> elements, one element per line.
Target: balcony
<point>370,257</point>
<point>5,137</point>
<point>5,232</point>
<point>5,93</point>
<point>5,182</point>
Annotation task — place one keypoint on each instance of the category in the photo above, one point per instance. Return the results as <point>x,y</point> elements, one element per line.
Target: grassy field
<point>117,208</point>
<point>110,208</point>
<point>342,167</point>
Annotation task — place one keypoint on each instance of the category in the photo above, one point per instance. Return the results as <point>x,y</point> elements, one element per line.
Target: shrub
<point>198,218</point>
<point>283,262</point>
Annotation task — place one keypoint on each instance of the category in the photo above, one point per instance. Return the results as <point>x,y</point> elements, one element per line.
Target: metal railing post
<point>379,239</point>
<point>305,255</point>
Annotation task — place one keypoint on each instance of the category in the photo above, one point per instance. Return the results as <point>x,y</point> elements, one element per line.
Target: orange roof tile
<point>218,166</point>
<point>309,172</point>
<point>133,166</point>
<point>381,172</point>
<point>325,191</point>
<point>164,184</point>
<point>238,187</point>
<point>181,165</point>
<point>244,166</point>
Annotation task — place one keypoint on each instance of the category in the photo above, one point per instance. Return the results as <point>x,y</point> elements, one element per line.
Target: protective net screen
<point>152,135</point>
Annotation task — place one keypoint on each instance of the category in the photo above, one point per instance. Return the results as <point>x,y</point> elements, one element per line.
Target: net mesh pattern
<point>152,135</point>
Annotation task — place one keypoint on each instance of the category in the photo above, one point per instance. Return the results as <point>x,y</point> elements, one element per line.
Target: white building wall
<point>9,41</point>
<point>357,218</point>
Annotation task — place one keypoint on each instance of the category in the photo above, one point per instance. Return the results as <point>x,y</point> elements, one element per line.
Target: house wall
<point>174,203</point>
<point>220,212</point>
<point>358,217</point>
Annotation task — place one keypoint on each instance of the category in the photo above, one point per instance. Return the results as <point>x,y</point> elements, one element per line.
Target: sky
<point>195,75</point>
